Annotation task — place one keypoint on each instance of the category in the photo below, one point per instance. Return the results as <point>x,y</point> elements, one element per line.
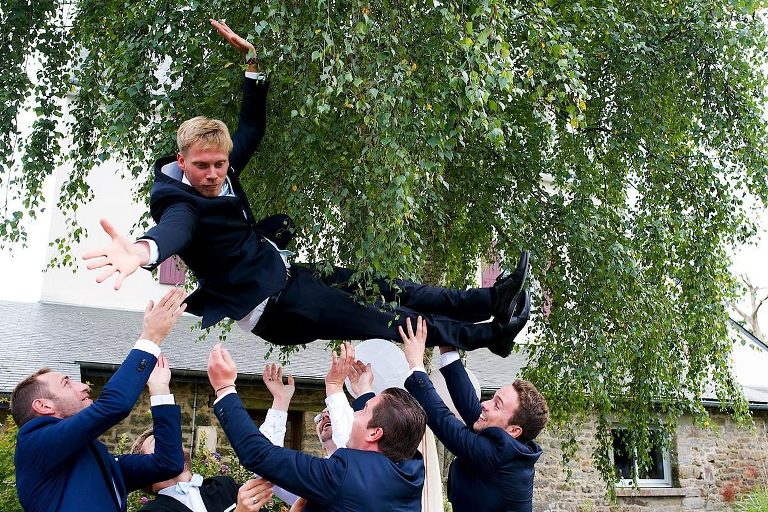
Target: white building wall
<point>112,200</point>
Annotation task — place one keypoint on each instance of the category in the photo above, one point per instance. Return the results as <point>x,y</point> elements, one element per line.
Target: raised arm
<point>311,477</point>
<point>339,410</point>
<point>274,425</point>
<point>253,109</point>
<point>460,387</point>
<point>167,460</point>
<point>458,438</point>
<point>56,443</point>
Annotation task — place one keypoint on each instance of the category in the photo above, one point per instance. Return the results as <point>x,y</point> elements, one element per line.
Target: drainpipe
<point>194,417</point>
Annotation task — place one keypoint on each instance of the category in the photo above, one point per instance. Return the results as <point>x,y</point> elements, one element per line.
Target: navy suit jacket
<point>235,266</point>
<point>349,480</point>
<point>61,466</point>
<point>492,470</point>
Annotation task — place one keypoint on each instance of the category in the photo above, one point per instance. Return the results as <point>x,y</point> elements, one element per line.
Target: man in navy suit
<point>189,491</point>
<point>494,448</point>
<point>380,470</point>
<point>60,464</point>
<point>242,268</point>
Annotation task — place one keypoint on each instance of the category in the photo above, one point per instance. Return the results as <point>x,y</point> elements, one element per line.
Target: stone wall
<point>198,412</point>
<point>709,468</point>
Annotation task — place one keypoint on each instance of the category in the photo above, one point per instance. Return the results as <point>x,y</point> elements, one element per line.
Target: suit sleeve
<point>316,479</point>
<point>55,444</point>
<point>359,403</point>
<point>167,461</point>
<point>174,230</point>
<point>252,123</point>
<point>462,392</point>
<point>460,440</point>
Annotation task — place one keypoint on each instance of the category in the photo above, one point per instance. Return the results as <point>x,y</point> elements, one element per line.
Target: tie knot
<point>183,487</point>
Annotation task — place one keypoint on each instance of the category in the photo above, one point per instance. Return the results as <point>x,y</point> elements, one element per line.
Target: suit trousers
<point>316,306</point>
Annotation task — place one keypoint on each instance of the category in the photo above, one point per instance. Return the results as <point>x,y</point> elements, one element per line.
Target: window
<point>172,271</point>
<point>657,474</point>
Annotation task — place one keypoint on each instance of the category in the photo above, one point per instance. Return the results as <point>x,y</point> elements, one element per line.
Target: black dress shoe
<point>502,345</point>
<point>506,289</point>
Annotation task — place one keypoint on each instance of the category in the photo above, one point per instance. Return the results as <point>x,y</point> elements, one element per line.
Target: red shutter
<point>172,271</point>
<point>489,274</point>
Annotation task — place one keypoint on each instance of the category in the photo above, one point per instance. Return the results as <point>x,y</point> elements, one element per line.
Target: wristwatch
<point>250,58</point>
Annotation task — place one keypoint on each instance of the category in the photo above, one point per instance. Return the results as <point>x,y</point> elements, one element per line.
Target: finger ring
<point>255,500</point>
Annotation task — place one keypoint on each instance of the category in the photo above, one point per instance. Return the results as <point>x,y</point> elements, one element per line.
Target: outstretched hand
<point>281,393</point>
<point>238,43</point>
<point>414,344</point>
<point>160,318</point>
<point>340,365</point>
<point>222,370</point>
<point>121,256</point>
<point>361,378</point>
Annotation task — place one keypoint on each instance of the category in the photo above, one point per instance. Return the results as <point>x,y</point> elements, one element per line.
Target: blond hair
<point>211,134</point>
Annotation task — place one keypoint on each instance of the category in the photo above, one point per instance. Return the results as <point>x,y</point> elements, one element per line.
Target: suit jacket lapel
<point>110,479</point>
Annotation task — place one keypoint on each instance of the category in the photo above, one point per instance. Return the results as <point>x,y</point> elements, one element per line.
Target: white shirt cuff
<point>417,369</point>
<point>154,253</point>
<point>228,391</point>
<point>276,417</point>
<point>255,75</point>
<point>161,400</point>
<point>147,346</point>
<point>337,398</point>
<point>449,357</point>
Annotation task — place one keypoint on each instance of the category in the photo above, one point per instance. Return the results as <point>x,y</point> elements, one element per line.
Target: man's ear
<point>43,407</point>
<point>180,160</point>
<point>514,430</point>
<point>374,434</point>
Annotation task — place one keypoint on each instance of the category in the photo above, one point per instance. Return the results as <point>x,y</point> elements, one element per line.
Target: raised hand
<point>160,378</point>
<point>222,370</point>
<point>160,318</point>
<point>281,393</point>
<point>238,43</point>
<point>122,256</point>
<point>414,343</point>
<point>340,365</point>
<point>361,377</point>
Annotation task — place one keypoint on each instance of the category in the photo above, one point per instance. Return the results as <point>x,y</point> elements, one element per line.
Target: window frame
<point>657,483</point>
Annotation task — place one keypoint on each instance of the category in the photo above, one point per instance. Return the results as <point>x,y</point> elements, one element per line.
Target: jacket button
<point>142,365</point>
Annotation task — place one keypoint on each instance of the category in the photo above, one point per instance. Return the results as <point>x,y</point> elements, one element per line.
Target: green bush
<point>755,501</point>
<point>9,502</point>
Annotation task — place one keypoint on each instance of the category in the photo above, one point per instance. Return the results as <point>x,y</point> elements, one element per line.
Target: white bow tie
<point>183,487</point>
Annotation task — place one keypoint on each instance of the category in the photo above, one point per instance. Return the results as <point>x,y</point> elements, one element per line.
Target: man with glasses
<point>334,424</point>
